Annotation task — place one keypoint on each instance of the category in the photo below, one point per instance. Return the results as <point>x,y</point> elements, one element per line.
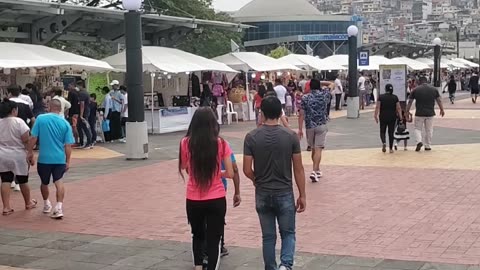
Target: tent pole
<point>152,82</point>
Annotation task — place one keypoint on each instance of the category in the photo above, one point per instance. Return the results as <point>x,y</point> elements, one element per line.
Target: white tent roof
<point>161,59</point>
<point>375,61</point>
<point>466,62</point>
<point>429,62</point>
<point>310,62</point>
<point>411,63</point>
<point>19,55</point>
<point>455,64</point>
<point>246,61</point>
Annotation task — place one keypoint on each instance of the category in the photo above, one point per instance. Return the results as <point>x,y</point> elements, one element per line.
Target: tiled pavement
<point>417,207</point>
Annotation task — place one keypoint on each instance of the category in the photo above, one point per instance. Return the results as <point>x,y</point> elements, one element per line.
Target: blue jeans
<point>272,208</point>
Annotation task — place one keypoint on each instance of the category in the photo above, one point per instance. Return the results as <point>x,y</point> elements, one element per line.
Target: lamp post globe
<point>132,5</point>
<point>437,41</point>
<point>352,31</point>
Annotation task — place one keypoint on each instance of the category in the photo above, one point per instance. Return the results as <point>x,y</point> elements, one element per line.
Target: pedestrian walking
<point>55,136</point>
<point>269,153</point>
<point>92,117</point>
<point>201,154</point>
<point>117,102</point>
<point>425,97</point>
<point>58,94</point>
<point>474,87</point>
<point>338,91</point>
<point>401,131</point>
<point>258,102</point>
<point>314,111</point>
<point>452,88</point>
<point>387,111</point>
<point>14,162</point>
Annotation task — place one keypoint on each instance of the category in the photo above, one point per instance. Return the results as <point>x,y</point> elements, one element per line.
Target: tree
<point>279,52</point>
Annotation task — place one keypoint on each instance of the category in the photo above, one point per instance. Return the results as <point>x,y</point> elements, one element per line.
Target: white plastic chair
<point>231,112</point>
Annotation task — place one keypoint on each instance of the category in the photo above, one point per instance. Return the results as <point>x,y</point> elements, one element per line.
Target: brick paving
<point>371,211</point>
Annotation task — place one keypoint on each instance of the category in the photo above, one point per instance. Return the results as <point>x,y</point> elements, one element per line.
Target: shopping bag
<point>106,125</point>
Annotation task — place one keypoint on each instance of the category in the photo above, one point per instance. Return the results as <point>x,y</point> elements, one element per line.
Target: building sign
<point>364,58</point>
<point>323,37</point>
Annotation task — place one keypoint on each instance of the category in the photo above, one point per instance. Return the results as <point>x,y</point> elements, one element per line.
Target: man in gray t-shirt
<point>269,152</point>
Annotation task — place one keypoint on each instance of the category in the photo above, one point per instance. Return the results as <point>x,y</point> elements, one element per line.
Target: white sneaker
<point>57,214</point>
<point>314,177</point>
<point>47,208</point>
<point>283,268</point>
<point>16,188</point>
<point>13,185</point>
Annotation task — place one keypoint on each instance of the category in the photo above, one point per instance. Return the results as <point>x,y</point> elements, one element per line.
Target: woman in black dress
<point>474,88</point>
<point>386,112</point>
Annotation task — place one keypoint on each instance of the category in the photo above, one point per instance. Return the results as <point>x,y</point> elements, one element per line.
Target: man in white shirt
<point>338,91</point>
<point>302,82</point>
<point>123,89</point>
<point>362,91</point>
<point>27,99</point>
<point>65,105</point>
<point>281,92</point>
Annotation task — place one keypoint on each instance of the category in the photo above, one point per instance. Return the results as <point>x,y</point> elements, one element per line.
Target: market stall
<point>374,61</point>
<point>174,80</point>
<point>411,63</point>
<point>466,62</point>
<point>44,66</point>
<point>250,63</point>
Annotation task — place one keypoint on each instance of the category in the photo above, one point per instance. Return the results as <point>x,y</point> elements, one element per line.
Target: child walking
<point>401,131</point>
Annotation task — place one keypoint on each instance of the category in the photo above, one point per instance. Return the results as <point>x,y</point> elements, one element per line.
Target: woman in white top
<point>14,162</point>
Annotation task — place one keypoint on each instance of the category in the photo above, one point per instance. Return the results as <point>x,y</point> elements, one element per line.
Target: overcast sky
<point>229,5</point>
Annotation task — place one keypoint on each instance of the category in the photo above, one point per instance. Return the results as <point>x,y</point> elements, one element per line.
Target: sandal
<point>7,213</point>
<point>33,204</point>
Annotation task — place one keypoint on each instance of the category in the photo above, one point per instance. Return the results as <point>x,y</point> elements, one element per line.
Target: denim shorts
<point>50,171</point>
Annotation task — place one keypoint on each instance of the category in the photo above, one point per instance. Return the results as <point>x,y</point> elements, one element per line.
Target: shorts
<point>316,137</point>
<point>8,177</point>
<point>47,171</point>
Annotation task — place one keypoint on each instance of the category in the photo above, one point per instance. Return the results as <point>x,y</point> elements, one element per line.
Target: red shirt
<point>258,101</point>
<point>307,88</point>
<point>217,189</point>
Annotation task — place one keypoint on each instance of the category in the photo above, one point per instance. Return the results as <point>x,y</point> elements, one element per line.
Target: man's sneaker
<point>314,177</point>
<point>123,140</point>
<point>282,267</point>
<point>47,208</point>
<point>17,188</point>
<point>309,148</point>
<point>13,184</point>
<point>428,149</point>
<point>224,252</point>
<point>57,214</point>
<point>419,147</point>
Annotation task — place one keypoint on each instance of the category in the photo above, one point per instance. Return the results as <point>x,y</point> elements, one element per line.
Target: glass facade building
<point>268,30</point>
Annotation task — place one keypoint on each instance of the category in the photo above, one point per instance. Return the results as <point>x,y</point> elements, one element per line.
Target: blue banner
<point>364,58</point>
<point>323,37</point>
<point>172,111</point>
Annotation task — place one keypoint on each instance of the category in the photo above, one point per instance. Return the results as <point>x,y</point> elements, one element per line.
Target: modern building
<point>294,24</point>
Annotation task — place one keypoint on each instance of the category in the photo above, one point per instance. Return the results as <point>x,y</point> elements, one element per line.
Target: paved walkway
<point>408,206</point>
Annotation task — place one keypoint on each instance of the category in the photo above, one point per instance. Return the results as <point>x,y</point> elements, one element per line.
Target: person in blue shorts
<point>56,139</point>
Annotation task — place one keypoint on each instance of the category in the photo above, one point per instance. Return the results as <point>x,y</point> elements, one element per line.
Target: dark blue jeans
<point>273,208</point>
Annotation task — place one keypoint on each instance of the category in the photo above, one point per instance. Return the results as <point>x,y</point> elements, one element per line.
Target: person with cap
<point>386,112</point>
<point>116,111</point>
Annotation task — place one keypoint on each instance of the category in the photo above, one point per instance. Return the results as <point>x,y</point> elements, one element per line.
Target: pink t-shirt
<point>216,190</point>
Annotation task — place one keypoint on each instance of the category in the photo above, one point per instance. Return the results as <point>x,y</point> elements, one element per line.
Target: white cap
<point>115,82</point>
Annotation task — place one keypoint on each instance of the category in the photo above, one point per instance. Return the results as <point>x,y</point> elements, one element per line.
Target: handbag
<point>106,125</point>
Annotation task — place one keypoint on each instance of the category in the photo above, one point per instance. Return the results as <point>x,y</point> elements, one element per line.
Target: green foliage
<point>279,52</point>
<point>212,41</point>
<point>95,50</point>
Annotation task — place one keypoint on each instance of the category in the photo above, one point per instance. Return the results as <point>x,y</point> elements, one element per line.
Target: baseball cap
<point>389,88</point>
<point>115,82</point>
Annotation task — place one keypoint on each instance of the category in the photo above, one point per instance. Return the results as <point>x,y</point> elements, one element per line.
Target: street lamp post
<point>437,42</point>
<point>353,102</point>
<point>136,127</point>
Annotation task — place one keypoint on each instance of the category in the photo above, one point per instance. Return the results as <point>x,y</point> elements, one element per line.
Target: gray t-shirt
<point>272,149</point>
<point>425,97</point>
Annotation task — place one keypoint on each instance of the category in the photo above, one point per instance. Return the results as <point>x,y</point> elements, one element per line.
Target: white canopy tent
<point>411,63</point>
<point>429,62</point>
<point>161,59</point>
<point>310,62</point>
<point>252,61</point>
<point>375,61</point>
<point>18,55</point>
<point>455,64</point>
<point>466,62</point>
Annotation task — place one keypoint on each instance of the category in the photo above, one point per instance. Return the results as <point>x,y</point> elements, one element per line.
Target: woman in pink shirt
<point>201,154</point>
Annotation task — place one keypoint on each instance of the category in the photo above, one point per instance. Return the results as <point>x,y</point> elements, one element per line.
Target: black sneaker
<point>309,148</point>
<point>419,147</point>
<point>224,252</point>
<point>384,148</point>
<point>428,149</point>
